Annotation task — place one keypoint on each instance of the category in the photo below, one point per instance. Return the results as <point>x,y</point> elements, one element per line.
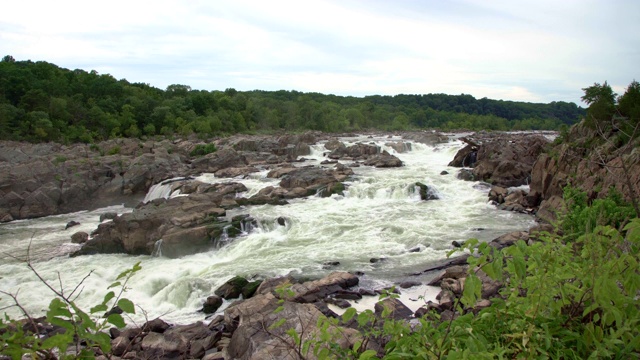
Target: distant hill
<point>40,101</point>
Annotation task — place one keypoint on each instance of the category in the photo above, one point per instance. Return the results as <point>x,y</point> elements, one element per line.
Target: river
<point>380,216</point>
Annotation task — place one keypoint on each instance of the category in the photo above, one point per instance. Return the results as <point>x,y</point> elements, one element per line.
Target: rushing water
<point>380,216</point>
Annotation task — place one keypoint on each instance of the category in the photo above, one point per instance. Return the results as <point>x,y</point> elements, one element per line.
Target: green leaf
<point>58,308</point>
<point>60,341</point>
<point>127,306</point>
<point>369,354</point>
<point>116,320</point>
<point>110,295</point>
<point>115,284</point>
<point>349,314</point>
<point>99,308</point>
<point>277,324</point>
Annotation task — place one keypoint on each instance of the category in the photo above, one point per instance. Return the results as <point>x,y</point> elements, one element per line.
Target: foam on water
<point>380,216</point>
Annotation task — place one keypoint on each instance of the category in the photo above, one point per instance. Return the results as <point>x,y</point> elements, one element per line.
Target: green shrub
<point>203,149</point>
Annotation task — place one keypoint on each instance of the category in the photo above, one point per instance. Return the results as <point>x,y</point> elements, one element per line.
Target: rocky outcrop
<point>590,161</point>
<point>384,160</point>
<point>503,159</point>
<point>45,179</point>
<point>184,224</point>
<point>354,152</point>
<point>431,138</point>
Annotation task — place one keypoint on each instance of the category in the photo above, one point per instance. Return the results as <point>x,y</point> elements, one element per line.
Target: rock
<point>71,224</point>
<point>221,159</point>
<point>426,193</point>
<point>503,159</point>
<point>431,138</point>
<point>80,237</point>
<point>157,345</point>
<point>330,264</point>
<point>509,239</point>
<point>308,178</point>
<point>211,304</point>
<point>108,216</point>
<point>269,285</point>
<point>333,144</point>
<point>397,310</point>
<point>250,288</point>
<point>447,263</point>
<point>457,244</point>
<point>384,161</point>
<point>498,194</point>
<point>186,225</point>
<point>120,345</point>
<point>466,175</point>
<point>234,172</point>
<point>312,291</point>
<point>447,299</point>
<point>232,289</point>
<point>399,146</point>
<point>450,272</point>
<point>156,325</point>
<point>357,151</point>
<point>409,284</point>
<point>444,172</point>
<point>466,157</point>
<point>252,340</point>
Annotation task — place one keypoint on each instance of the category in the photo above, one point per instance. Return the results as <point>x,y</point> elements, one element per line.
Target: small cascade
<point>164,189</point>
<point>317,152</point>
<point>377,191</point>
<point>157,249</point>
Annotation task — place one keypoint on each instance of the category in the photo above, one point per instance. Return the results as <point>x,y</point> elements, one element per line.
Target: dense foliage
<point>572,296</point>
<point>40,101</point>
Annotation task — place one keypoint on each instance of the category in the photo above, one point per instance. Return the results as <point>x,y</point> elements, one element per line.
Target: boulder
<point>384,160</point>
<point>395,308</point>
<point>333,144</point>
<point>256,338</point>
<point>80,237</point>
<point>426,193</point>
<point>232,289</point>
<point>357,151</point>
<point>221,159</point>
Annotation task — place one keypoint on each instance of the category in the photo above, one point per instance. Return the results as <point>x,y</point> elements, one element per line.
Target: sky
<point>534,51</point>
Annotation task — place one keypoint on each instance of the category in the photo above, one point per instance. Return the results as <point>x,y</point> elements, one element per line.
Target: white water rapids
<point>380,216</point>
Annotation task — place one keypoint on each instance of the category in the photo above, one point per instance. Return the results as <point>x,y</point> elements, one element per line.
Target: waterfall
<point>157,249</point>
<point>164,189</point>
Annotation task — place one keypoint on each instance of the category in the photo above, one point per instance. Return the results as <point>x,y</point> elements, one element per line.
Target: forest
<point>40,101</point>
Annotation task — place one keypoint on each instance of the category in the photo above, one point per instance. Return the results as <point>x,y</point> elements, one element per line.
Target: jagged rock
<point>211,304</point>
<point>398,310</point>
<point>426,193</point>
<point>428,138</point>
<point>333,144</point>
<point>108,216</point>
<point>357,151</point>
<point>156,325</point>
<point>252,340</point>
<point>399,146</point>
<point>232,289</point>
<point>466,175</point>
<point>221,159</point>
<point>384,160</point>
<point>509,239</point>
<point>80,237</point>
<point>71,224</point>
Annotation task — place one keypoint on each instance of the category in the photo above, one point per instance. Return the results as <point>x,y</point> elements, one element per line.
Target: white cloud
<point>540,51</point>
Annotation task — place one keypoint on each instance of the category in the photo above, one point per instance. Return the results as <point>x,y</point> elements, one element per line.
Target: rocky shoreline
<point>65,182</point>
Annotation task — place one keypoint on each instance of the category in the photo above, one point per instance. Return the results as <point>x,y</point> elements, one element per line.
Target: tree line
<point>40,101</point>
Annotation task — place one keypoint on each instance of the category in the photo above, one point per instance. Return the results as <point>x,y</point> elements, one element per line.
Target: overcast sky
<point>537,51</point>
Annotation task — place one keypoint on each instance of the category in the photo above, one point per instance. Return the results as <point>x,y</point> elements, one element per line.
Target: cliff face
<point>592,161</point>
